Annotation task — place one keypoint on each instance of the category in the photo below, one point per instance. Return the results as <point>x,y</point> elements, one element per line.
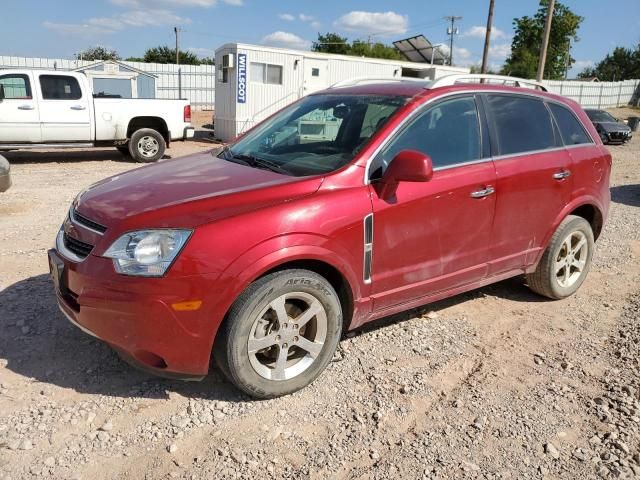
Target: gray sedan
<point>5,176</point>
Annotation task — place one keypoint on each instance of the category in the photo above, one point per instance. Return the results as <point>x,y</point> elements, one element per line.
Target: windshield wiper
<point>257,162</point>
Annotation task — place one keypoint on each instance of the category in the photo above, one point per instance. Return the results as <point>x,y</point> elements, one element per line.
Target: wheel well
<point>592,215</point>
<point>333,276</point>
<point>156,123</point>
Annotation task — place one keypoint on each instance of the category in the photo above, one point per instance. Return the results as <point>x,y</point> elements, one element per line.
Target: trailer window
<point>265,73</point>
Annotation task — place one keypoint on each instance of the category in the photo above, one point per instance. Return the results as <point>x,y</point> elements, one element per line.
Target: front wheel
<point>147,145</point>
<point>280,333</point>
<point>566,261</point>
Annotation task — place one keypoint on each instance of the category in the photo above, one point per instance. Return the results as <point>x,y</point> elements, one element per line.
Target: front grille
<point>84,221</point>
<point>79,248</point>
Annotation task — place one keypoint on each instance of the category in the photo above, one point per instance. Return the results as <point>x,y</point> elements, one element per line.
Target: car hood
<point>612,126</point>
<point>187,192</point>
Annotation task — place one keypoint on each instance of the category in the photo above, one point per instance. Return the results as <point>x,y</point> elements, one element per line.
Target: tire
<point>566,261</point>
<point>253,321</point>
<point>147,145</point>
<point>124,150</point>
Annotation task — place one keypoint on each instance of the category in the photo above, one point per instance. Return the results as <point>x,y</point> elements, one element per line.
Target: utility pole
<point>177,30</point>
<point>545,41</point>
<point>487,39</point>
<point>451,31</point>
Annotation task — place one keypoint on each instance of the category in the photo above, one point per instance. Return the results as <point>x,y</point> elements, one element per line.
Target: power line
<point>451,31</point>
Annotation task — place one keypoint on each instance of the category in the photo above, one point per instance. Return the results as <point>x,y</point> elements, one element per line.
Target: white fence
<point>196,82</point>
<point>597,94</point>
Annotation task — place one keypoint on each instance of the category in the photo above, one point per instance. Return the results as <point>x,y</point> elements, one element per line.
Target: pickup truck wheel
<point>280,334</point>
<point>147,145</point>
<point>566,261</point>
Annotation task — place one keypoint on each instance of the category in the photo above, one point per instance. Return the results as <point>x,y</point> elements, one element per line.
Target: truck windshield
<point>317,135</point>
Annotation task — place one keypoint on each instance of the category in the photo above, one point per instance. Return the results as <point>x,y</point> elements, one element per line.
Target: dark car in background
<point>5,177</point>
<point>610,129</point>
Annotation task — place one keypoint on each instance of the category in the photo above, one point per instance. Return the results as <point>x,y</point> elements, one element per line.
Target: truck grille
<point>79,248</point>
<point>85,222</point>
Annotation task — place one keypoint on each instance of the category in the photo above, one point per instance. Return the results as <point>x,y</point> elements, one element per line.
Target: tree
<point>97,53</point>
<point>164,54</point>
<point>621,64</point>
<point>331,43</point>
<point>527,42</point>
<point>334,43</point>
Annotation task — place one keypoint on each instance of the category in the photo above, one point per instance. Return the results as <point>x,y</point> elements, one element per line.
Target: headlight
<point>147,253</point>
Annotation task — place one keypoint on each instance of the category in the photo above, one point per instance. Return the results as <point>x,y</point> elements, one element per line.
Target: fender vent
<point>368,247</point>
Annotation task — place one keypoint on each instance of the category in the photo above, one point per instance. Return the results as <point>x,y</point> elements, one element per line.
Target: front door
<point>534,178</point>
<point>433,236</point>
<point>316,75</point>
<point>65,112</point>
<point>19,114</point>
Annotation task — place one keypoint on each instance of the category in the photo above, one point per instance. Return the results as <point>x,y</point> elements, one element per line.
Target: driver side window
<point>449,132</point>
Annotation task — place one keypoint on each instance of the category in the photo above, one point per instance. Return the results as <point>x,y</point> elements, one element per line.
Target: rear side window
<point>448,132</point>
<point>571,129</point>
<point>522,124</point>
<point>16,86</point>
<point>59,87</point>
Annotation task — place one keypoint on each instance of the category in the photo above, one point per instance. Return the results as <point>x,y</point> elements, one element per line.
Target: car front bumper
<point>137,316</point>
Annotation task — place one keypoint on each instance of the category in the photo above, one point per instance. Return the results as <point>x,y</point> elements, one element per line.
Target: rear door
<point>533,178</point>
<point>65,112</point>
<point>19,114</point>
<point>432,236</point>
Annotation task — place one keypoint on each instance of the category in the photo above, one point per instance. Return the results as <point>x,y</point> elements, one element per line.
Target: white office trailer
<point>254,81</point>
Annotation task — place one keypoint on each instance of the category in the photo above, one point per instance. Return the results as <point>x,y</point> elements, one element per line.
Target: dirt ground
<point>497,383</point>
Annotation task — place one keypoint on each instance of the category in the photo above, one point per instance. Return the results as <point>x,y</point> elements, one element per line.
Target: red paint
<point>431,238</point>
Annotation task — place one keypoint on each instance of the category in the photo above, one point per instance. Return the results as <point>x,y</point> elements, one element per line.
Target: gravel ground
<point>495,383</point>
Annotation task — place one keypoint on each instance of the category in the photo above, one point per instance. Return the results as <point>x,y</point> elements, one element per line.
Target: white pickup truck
<point>57,109</point>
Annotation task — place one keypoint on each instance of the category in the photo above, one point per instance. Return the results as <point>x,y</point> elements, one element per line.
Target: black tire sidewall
<point>242,316</point>
<point>573,225</point>
<point>133,145</point>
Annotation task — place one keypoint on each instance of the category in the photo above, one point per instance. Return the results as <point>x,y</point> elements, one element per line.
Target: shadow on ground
<point>626,194</point>
<point>39,343</point>
<point>66,156</point>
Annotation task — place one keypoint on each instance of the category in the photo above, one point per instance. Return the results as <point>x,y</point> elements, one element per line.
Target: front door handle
<point>26,107</point>
<point>77,107</point>
<point>561,175</point>
<point>483,193</point>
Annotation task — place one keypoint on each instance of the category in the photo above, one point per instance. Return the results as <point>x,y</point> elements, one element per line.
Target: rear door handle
<point>483,193</point>
<point>77,107</point>
<point>26,107</point>
<point>561,175</point>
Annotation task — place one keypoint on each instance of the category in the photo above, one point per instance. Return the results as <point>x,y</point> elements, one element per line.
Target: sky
<point>59,28</point>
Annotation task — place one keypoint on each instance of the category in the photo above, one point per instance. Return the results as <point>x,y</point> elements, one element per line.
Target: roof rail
<point>449,80</point>
<point>352,82</point>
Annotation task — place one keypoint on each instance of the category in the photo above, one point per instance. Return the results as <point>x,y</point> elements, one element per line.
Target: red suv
<point>349,205</point>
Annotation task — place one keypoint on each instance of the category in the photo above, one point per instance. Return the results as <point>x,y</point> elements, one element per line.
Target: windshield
<point>317,135</point>
<point>600,116</point>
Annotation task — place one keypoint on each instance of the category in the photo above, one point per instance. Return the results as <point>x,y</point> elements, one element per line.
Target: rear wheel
<point>566,261</point>
<point>147,145</point>
<point>280,334</point>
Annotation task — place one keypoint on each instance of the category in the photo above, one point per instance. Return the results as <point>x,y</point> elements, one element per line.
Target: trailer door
<point>316,75</point>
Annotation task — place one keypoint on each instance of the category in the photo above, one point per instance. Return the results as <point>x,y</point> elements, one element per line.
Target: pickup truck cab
<point>57,109</point>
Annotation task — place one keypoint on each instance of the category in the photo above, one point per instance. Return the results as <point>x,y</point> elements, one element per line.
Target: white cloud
<point>461,56</point>
<point>381,23</point>
<point>499,51</point>
<point>116,23</point>
<point>202,52</point>
<point>287,16</point>
<point>305,18</point>
<point>478,31</point>
<point>315,24</point>
<point>582,64</point>
<point>286,40</point>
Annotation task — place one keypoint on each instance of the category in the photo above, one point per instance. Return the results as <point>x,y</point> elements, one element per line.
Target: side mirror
<point>406,166</point>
